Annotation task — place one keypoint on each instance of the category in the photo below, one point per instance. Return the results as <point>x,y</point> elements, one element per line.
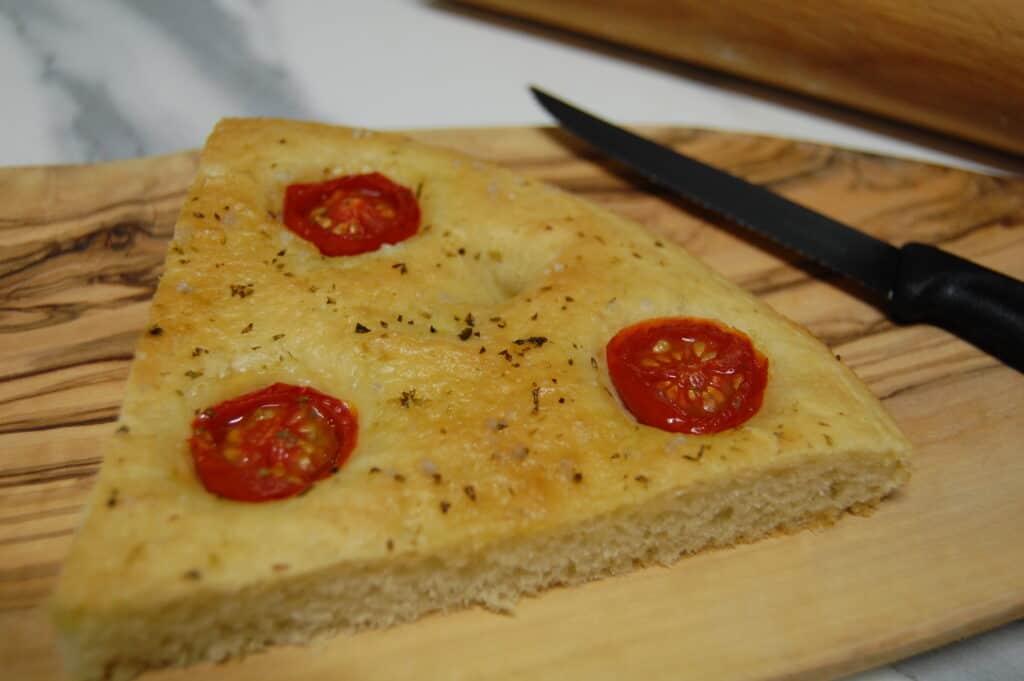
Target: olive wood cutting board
<point>81,249</point>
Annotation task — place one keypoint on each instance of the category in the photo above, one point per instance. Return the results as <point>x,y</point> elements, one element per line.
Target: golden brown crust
<point>469,442</point>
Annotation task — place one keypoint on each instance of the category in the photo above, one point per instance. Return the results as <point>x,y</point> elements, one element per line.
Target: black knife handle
<point>981,306</point>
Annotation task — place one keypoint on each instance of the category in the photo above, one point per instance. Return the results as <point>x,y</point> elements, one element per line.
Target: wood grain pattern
<point>80,254</point>
<point>955,67</point>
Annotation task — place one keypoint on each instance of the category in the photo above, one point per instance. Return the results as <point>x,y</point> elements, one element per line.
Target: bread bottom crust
<point>218,625</point>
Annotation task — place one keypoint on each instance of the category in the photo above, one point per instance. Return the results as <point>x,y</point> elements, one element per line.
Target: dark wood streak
<point>114,348</point>
<point>32,598</point>
<point>26,572</point>
<point>64,313</point>
<point>86,418</point>
<point>950,377</point>
<point>25,586</point>
<point>872,328</point>
<point>952,229</point>
<point>24,607</point>
<point>41,316</point>
<point>815,167</point>
<point>812,162</point>
<point>114,255</point>
<point>39,515</point>
<point>142,204</point>
<point>625,184</point>
<point>775,280</point>
<point>69,475</point>
<point>689,142</point>
<point>997,222</point>
<point>120,236</point>
<point>75,468</point>
<point>36,537</point>
<point>77,381</point>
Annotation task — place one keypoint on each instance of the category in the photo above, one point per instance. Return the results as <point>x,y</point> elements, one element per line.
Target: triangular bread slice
<point>485,469</point>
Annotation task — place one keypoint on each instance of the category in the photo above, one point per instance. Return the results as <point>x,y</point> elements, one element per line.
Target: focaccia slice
<point>493,456</point>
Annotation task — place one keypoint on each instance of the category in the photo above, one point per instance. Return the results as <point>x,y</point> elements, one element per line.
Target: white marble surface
<point>105,79</point>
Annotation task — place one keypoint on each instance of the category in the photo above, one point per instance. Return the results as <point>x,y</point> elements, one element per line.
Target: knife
<point>914,283</point>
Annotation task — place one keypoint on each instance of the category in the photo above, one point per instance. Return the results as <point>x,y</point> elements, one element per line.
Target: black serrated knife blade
<point>917,282</point>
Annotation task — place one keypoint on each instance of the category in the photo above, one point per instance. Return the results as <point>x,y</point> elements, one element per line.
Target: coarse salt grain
<point>676,443</point>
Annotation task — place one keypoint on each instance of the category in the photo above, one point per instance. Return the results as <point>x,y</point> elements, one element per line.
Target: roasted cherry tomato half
<point>272,443</point>
<point>687,375</point>
<point>351,214</point>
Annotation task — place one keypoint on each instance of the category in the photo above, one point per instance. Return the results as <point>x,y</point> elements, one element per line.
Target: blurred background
<point>108,79</point>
